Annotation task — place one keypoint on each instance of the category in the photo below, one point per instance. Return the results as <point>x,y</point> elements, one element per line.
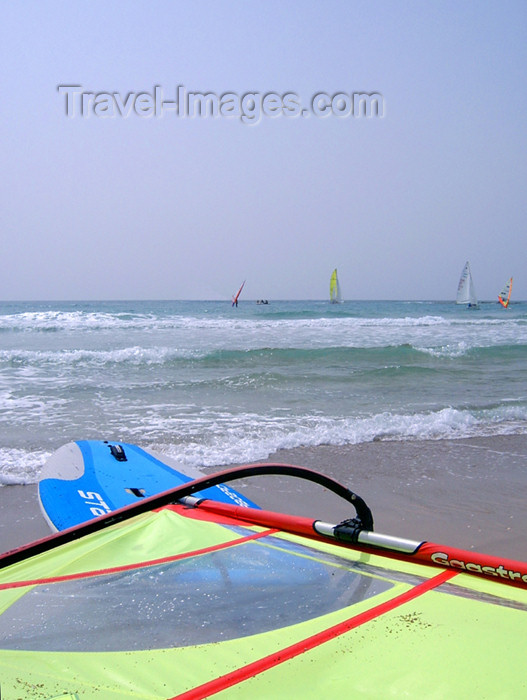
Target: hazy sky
<point>156,205</point>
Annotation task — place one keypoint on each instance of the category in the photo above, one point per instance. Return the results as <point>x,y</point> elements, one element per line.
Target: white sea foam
<point>213,438</point>
<point>89,320</point>
<point>210,438</point>
<point>130,355</point>
<point>21,466</point>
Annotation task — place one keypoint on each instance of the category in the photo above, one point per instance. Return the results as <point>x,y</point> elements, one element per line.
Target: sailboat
<point>335,295</point>
<point>504,296</point>
<point>466,292</point>
<point>235,297</point>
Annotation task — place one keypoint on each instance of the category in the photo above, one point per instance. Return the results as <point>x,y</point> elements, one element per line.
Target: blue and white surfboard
<point>89,478</point>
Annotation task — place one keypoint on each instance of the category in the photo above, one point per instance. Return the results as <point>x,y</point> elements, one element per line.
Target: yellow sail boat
<point>335,295</point>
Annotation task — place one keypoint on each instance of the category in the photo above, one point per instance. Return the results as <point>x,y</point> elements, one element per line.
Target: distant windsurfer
<point>235,298</point>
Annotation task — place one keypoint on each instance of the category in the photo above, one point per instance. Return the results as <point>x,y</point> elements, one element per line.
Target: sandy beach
<point>470,493</point>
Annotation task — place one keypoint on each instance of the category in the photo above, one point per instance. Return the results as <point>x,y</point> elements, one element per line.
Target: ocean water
<point>212,385</point>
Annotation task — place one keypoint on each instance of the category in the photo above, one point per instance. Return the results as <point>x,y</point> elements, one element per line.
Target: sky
<point>108,193</point>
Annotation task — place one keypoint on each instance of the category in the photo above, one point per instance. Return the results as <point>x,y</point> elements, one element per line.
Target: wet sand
<point>469,493</point>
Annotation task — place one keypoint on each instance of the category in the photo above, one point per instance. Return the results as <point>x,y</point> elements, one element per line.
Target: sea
<point>211,384</point>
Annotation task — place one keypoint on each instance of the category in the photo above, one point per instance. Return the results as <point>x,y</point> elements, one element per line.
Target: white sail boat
<point>466,292</point>
<point>504,296</point>
<point>335,295</point>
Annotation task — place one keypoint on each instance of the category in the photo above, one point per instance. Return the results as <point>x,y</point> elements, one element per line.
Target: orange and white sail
<point>505,295</point>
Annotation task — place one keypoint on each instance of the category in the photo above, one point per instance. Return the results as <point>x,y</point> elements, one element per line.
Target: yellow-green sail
<point>169,605</point>
<point>334,288</point>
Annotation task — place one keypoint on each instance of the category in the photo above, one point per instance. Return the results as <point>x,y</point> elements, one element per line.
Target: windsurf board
<point>88,478</point>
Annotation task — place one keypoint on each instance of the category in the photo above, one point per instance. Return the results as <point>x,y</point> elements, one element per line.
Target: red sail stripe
<point>267,662</point>
<point>136,565</point>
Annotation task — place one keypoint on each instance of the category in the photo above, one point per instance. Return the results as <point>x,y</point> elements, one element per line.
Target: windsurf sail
<point>504,296</point>
<point>180,597</point>
<point>466,292</point>
<point>235,297</point>
<point>335,295</point>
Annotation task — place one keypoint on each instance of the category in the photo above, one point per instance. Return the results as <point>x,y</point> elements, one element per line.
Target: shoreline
<point>467,493</point>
